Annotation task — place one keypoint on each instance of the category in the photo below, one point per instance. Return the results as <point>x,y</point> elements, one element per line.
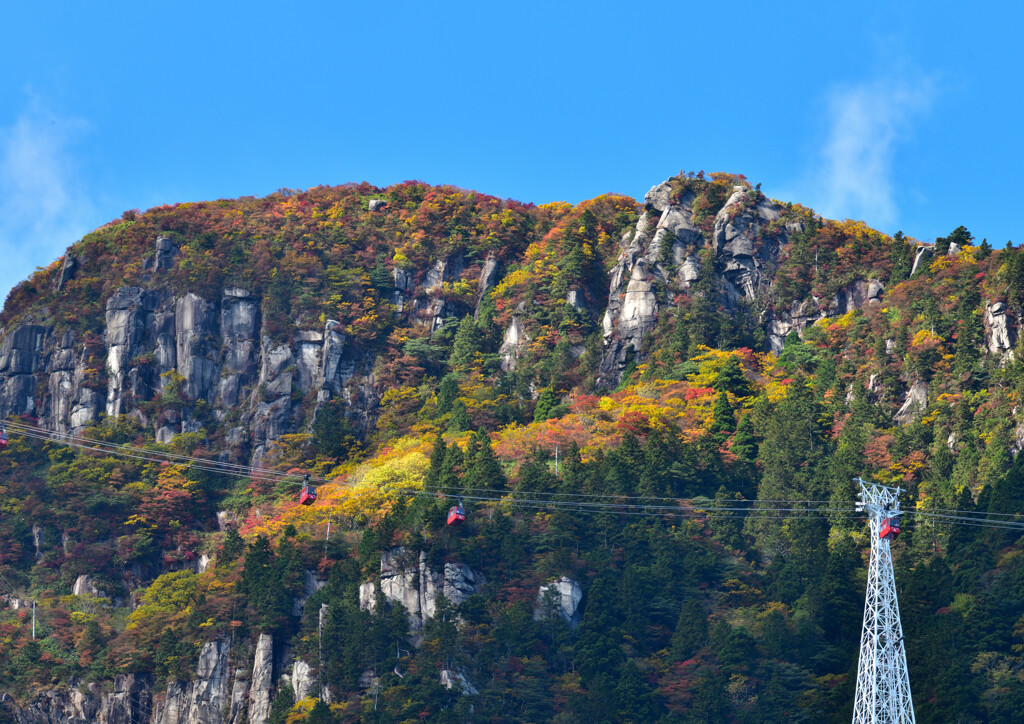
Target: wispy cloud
<point>866,123</point>
<point>43,206</point>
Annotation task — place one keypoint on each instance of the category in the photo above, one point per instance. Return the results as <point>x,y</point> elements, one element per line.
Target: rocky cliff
<point>180,361</point>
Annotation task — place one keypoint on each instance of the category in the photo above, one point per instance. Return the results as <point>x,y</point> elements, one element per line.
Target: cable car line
<point>566,501</point>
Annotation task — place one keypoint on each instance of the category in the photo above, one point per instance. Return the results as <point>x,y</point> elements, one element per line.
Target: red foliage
<point>694,392</point>
<point>635,423</point>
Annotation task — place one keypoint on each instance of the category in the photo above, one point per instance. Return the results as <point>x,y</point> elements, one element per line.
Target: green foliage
<point>466,346</point>
<point>548,406</point>
<point>334,436</point>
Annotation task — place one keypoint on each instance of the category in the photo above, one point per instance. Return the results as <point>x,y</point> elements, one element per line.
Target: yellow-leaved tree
<point>381,483</point>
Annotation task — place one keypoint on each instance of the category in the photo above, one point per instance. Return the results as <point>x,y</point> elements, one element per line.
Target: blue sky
<point>907,117</point>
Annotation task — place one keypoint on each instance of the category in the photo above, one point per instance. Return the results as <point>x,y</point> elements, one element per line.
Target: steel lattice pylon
<point>883,685</point>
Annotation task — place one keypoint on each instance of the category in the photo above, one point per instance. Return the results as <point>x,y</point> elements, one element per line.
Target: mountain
<point>652,415</point>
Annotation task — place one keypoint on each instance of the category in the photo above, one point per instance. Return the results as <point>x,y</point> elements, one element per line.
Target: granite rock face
<point>406,578</point>
<point>661,258</point>
<point>561,598</point>
<point>914,403</point>
<point>1000,333</point>
<point>197,351</point>
<point>130,699</point>
<point>262,680</point>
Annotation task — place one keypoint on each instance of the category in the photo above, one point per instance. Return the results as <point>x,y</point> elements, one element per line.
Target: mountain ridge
<point>674,362</point>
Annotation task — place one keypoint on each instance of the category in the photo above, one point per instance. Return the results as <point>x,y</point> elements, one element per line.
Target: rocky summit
<point>419,453</point>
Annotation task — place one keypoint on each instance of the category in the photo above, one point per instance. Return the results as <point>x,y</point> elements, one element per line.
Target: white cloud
<point>866,122</point>
<point>43,208</point>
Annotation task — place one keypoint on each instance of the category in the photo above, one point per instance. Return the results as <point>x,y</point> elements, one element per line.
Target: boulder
<point>451,679</point>
<point>166,253</point>
<point>658,197</point>
<point>84,586</point>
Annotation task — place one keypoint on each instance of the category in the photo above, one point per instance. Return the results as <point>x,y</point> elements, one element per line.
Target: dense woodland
<point>708,617</point>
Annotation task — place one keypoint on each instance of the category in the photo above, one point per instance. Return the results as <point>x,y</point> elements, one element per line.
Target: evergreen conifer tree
<point>465,346</point>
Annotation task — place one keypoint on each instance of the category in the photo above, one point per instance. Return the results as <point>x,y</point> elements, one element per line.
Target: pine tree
<point>233,547</point>
<point>451,469</point>
<point>466,346</point>
<point>263,584</point>
<point>634,695</point>
<point>484,471</point>
<point>744,447</point>
<point>447,394</point>
<point>437,455</point>
<point>459,420</point>
<point>723,421</point>
<point>597,647</point>
<point>691,632</point>
<point>732,379</point>
<point>547,405</point>
<point>794,447</point>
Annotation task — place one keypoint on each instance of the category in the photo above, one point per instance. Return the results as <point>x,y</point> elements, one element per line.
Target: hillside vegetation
<point>653,414</point>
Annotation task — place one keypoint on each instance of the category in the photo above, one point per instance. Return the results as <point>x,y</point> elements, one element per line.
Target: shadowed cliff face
<point>171,360</point>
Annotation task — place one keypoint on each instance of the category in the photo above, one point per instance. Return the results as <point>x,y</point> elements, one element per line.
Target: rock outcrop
<point>803,314</point>
<point>406,578</point>
<point>203,700</point>
<point>84,586</point>
<point>262,680</point>
<point>1000,334</point>
<point>512,345</point>
<point>457,680</point>
<point>303,680</point>
<point>310,585</point>
<point>209,351</point>
<point>660,258</point>
<point>129,701</point>
<point>914,403</point>
<point>560,598</point>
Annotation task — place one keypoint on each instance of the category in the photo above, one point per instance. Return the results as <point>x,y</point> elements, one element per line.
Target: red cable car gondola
<point>308,495</point>
<point>890,528</point>
<point>456,514</point>
<point>3,435</point>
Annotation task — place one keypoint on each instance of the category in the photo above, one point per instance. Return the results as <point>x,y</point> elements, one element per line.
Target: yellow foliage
<point>943,262</point>
<point>846,320</point>
<point>514,279</point>
<point>379,484</point>
<point>169,598</point>
<point>924,337</point>
<point>711,362</point>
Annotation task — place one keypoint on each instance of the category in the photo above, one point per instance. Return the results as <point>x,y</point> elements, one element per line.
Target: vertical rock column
<point>262,678</point>
<point>21,356</point>
<point>194,327</point>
